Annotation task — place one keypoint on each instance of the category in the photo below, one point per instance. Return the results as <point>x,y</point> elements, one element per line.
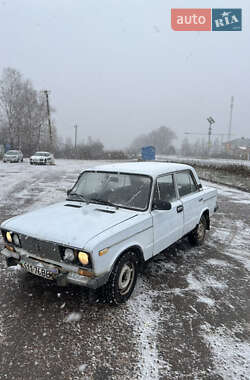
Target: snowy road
<point>189,317</point>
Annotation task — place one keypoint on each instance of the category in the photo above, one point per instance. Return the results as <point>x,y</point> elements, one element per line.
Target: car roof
<point>41,152</point>
<point>153,168</point>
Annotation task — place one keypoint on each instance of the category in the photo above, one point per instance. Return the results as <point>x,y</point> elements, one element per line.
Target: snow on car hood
<point>69,225</point>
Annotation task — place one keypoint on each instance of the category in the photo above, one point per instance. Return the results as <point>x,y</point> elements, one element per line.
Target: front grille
<point>40,248</point>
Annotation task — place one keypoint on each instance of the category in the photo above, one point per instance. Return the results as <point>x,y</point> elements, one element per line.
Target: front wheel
<point>122,279</point>
<point>197,236</point>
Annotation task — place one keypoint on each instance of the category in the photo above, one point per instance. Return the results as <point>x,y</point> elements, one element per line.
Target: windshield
<point>118,189</point>
<point>12,152</point>
<point>43,154</point>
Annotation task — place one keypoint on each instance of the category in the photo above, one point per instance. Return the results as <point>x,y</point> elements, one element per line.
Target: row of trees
<point>23,114</point>
<point>200,148</point>
<point>89,150</point>
<point>23,125</point>
<point>161,138</point>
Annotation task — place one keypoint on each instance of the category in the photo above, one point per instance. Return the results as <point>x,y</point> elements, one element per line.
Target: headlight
<point>83,257</point>
<point>69,255</point>
<point>16,240</point>
<point>9,237</point>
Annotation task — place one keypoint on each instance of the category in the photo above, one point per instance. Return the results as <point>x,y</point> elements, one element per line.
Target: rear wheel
<point>197,236</point>
<point>122,279</point>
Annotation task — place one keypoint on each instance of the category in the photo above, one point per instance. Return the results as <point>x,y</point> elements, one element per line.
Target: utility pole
<point>75,126</point>
<point>46,93</point>
<point>230,118</point>
<point>211,122</point>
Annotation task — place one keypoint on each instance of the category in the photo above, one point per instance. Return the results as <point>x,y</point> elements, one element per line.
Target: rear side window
<point>185,183</point>
<point>165,189</point>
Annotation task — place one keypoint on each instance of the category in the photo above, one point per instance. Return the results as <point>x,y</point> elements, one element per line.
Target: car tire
<point>197,236</point>
<point>122,279</point>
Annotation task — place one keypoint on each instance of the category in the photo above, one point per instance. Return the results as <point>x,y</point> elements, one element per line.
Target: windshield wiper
<point>79,196</point>
<point>102,201</point>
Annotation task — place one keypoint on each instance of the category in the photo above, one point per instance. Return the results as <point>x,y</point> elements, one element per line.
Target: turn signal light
<point>12,249</point>
<point>103,251</point>
<point>83,272</point>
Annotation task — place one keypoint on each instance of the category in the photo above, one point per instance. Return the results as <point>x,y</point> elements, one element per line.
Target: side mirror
<point>200,186</point>
<point>162,205</point>
<point>68,191</point>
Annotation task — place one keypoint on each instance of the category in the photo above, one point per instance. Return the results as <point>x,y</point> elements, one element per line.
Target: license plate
<point>39,271</point>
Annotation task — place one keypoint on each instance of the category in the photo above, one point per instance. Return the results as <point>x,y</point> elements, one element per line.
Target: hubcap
<point>126,278</point>
<point>200,230</point>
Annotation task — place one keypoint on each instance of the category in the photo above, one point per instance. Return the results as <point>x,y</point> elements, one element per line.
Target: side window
<point>164,189</point>
<point>185,183</point>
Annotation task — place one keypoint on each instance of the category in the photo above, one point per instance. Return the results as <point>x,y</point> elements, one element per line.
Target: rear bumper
<point>62,276</point>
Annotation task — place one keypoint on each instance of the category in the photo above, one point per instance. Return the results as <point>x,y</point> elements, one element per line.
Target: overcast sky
<point>117,69</point>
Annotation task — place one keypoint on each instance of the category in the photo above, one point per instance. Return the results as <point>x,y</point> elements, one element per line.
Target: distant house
<point>239,148</point>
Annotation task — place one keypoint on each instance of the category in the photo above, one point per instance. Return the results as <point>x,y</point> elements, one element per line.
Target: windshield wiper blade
<point>79,196</point>
<point>102,201</point>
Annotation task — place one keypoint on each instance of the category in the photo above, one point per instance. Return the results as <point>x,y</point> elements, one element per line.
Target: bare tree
<point>23,113</point>
<point>161,138</point>
<point>186,147</point>
<point>10,103</point>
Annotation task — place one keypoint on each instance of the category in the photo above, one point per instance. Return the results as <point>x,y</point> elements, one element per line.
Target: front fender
<point>142,240</point>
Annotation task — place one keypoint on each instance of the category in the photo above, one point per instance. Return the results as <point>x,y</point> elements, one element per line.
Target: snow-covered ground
<point>187,319</point>
<point>215,162</point>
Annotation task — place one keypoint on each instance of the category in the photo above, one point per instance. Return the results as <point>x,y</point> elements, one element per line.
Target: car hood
<point>67,223</point>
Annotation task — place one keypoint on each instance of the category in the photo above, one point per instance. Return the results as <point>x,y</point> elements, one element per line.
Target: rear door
<point>168,224</point>
<point>191,199</point>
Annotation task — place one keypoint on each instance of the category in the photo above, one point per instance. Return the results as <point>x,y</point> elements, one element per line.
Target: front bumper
<point>10,159</point>
<point>62,274</point>
<point>39,162</point>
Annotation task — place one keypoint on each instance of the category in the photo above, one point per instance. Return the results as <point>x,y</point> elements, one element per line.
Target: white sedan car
<point>13,156</point>
<point>42,158</point>
<point>114,219</point>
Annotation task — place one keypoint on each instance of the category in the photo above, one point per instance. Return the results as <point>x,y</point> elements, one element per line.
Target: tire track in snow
<point>2,331</point>
<point>145,321</point>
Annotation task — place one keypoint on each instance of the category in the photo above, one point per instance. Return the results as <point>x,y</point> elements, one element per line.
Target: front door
<point>191,199</point>
<point>168,224</point>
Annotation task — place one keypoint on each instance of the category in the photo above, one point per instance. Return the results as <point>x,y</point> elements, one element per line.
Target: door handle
<point>201,199</point>
<point>179,208</point>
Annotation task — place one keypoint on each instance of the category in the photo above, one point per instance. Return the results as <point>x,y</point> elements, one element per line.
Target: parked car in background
<point>42,158</point>
<point>13,156</point>
<point>114,219</point>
